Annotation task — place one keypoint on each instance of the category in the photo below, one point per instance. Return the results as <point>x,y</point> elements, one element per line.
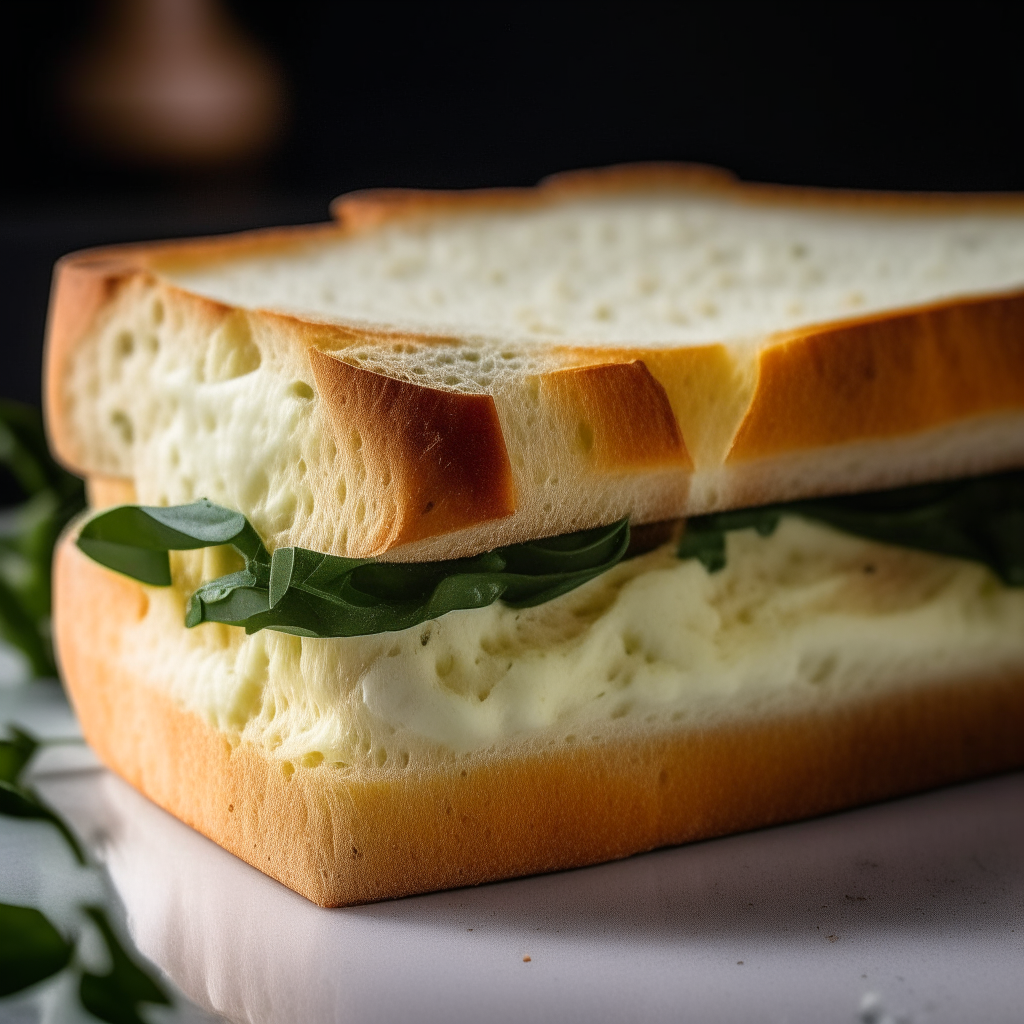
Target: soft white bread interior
<point>656,704</point>
<point>437,374</point>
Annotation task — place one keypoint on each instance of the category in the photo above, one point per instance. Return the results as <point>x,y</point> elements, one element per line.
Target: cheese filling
<point>800,620</point>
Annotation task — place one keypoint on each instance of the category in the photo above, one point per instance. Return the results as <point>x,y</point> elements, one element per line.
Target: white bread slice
<point>361,769</point>
<point>438,374</point>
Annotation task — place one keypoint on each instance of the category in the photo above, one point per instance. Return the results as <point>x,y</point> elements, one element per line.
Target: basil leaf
<point>135,539</point>
<point>312,594</point>
<point>31,949</point>
<point>705,543</point>
<point>232,599</point>
<point>308,593</point>
<point>151,567</point>
<point>979,519</point>
<point>115,997</point>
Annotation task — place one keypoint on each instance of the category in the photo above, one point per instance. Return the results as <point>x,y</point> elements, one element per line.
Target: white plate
<point>912,909</point>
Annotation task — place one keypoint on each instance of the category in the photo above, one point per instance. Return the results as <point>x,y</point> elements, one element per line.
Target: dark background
<point>423,97</point>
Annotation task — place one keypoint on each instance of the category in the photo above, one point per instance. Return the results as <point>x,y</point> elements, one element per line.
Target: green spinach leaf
<point>115,996</point>
<point>20,801</point>
<point>980,519</point>
<point>135,539</point>
<point>31,949</point>
<point>312,594</point>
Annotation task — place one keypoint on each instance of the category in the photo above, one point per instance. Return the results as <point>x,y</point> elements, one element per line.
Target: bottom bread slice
<point>355,834</point>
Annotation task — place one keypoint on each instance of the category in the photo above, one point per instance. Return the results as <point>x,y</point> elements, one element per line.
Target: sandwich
<point>474,535</point>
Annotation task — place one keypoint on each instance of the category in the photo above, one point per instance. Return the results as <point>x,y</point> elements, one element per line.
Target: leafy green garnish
<point>115,996</point>
<point>135,539</point>
<point>31,949</point>
<point>980,519</point>
<point>19,800</point>
<point>312,594</point>
<point>29,532</point>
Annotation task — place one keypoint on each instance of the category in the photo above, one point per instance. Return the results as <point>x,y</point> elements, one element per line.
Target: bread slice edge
<point>810,393</point>
<point>346,836</point>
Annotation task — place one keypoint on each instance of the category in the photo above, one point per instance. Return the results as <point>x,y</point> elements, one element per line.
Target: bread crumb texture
<point>801,621</point>
<point>661,269</point>
<point>184,400</point>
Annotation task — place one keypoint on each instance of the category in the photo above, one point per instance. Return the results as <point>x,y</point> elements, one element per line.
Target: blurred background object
<point>173,82</point>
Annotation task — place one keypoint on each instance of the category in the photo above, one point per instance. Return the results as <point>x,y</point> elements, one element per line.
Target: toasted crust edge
<point>341,837</point>
<point>369,208</point>
<point>886,376</point>
<point>439,457</point>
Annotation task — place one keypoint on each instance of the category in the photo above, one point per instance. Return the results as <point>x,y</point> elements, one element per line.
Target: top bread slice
<point>436,374</point>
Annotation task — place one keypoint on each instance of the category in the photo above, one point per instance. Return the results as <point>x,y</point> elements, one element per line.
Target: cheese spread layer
<point>803,619</point>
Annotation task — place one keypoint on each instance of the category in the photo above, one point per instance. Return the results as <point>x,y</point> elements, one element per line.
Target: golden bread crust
<point>440,454</point>
<point>369,208</point>
<point>886,376</point>
<point>343,836</point>
<point>619,413</point>
<point>84,286</point>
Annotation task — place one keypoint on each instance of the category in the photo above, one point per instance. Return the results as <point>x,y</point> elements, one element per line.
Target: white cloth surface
<point>910,910</point>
